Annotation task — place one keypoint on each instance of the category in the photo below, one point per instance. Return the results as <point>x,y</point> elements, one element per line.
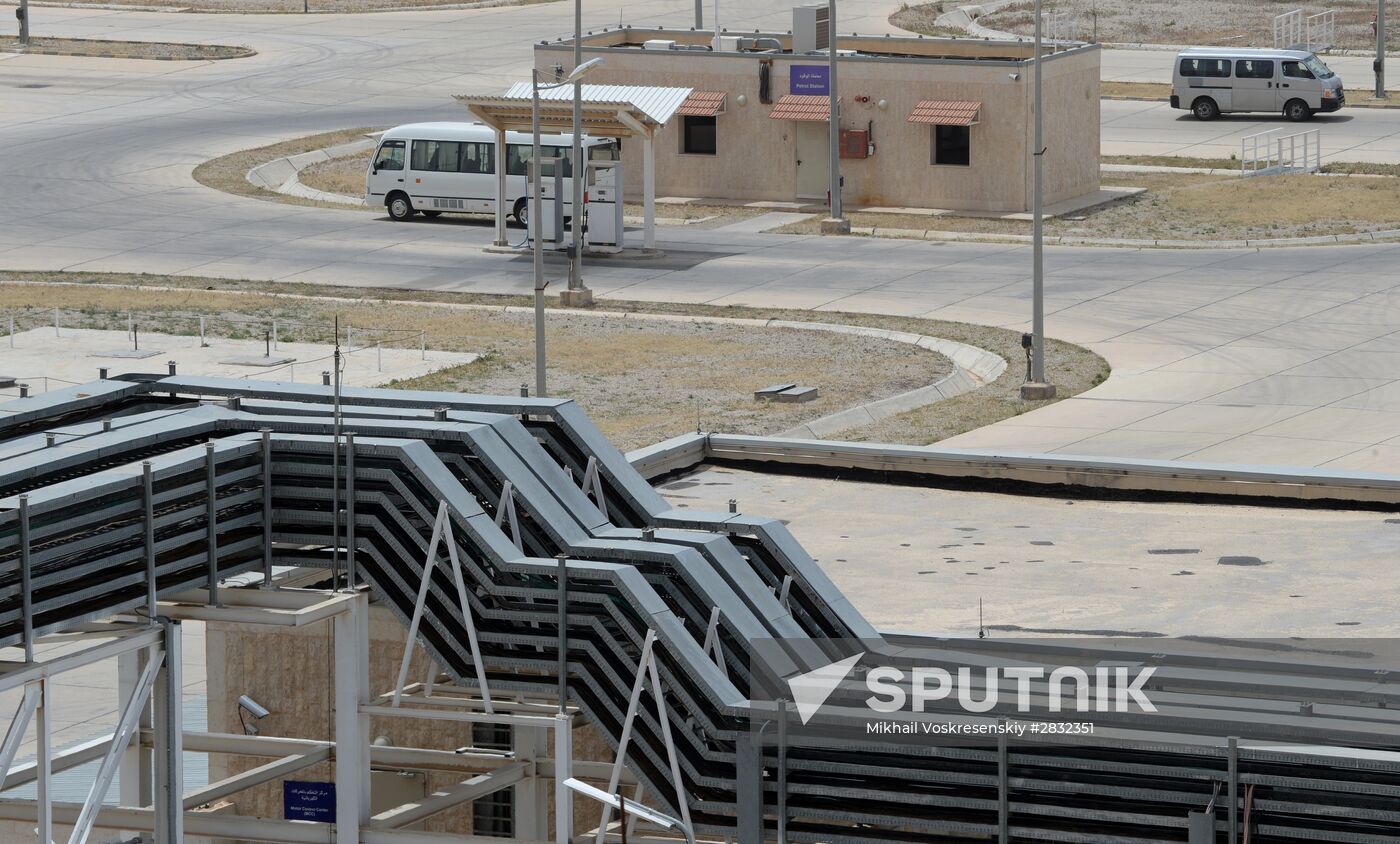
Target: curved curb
<point>281,174</point>
<point>1128,243</point>
<point>239,51</point>
<point>973,368</point>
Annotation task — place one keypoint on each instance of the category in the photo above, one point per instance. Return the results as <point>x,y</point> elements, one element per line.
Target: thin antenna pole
<point>335,465</point>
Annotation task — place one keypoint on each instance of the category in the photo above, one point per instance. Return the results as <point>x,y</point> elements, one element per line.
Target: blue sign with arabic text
<point>308,801</point>
<point>813,80</point>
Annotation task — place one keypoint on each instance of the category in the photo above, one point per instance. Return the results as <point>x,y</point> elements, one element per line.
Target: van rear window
<point>1214,68</point>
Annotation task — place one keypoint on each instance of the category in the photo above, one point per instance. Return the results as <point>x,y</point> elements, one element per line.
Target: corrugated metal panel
<point>658,103</point>
<point>702,104</point>
<point>801,107</point>
<point>945,113</point>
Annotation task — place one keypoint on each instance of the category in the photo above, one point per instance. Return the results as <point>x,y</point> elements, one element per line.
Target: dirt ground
<point>1196,207</point>
<point>641,380</point>
<point>1074,368</point>
<point>1235,23</point>
<point>123,49</point>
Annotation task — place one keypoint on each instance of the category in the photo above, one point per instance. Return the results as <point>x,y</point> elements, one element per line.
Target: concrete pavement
<point>1282,356</point>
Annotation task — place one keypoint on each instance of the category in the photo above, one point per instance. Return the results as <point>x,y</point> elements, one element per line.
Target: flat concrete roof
<point>919,560</point>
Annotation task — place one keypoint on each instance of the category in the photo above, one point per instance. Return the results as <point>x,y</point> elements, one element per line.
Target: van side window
<point>1214,68</point>
<point>436,156</point>
<point>390,156</point>
<point>477,158</point>
<point>1296,70</point>
<point>518,156</point>
<point>1254,69</point>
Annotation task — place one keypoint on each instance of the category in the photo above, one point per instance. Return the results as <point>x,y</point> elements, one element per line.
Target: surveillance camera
<point>1013,76</point>
<point>252,707</point>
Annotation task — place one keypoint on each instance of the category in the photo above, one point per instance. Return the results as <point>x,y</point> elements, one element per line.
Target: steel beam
<point>475,788</point>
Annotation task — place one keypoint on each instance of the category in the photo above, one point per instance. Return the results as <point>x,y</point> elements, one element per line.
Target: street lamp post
<point>1380,49</point>
<point>23,14</point>
<point>537,200</point>
<point>835,223</point>
<point>577,295</point>
<point>1037,388</point>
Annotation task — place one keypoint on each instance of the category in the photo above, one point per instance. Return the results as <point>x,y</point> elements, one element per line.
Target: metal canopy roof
<point>608,110</point>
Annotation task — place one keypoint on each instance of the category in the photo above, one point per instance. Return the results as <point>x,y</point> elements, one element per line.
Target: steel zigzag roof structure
<point>236,463</point>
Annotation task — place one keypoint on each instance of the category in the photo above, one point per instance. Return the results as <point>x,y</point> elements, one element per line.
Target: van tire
<point>400,207</point>
<point>521,212</point>
<point>1297,111</point>
<point>1204,108</point>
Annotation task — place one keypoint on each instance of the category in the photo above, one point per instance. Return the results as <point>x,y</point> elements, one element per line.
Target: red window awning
<point>801,107</point>
<point>702,104</point>
<point>946,113</point>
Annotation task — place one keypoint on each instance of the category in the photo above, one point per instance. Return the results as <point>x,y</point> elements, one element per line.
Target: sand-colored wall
<point>756,154</point>
<point>291,671</point>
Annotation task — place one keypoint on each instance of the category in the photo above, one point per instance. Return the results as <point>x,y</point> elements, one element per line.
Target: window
<point>1254,69</point>
<point>518,156</point>
<point>494,815</point>
<point>1214,68</point>
<point>952,145</point>
<point>698,136</point>
<point>478,157</point>
<point>390,156</point>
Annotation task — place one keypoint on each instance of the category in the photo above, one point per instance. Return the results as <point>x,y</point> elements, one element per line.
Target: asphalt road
<point>1281,356</point>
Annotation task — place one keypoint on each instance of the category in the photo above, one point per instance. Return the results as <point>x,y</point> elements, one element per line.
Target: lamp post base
<point>1034,391</point>
<point>578,297</point>
<point>833,225</point>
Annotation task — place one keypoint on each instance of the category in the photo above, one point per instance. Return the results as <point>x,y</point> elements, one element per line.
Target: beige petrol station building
<point>925,122</point>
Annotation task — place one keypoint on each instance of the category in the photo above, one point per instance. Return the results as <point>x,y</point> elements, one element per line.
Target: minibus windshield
<point>1318,68</point>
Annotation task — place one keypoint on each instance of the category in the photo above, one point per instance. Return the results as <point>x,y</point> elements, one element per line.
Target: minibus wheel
<point>521,212</point>
<point>1297,111</point>
<point>1205,109</point>
<point>400,207</point>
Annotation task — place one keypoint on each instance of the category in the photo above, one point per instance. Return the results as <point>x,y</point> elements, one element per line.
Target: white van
<point>430,168</point>
<point>1211,81</point>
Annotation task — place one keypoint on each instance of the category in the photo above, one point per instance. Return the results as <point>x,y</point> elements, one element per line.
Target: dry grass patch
<point>124,49</point>
<point>229,173</point>
<point>638,406</point>
<point>1237,23</point>
<point>339,175</point>
<point>1193,206</point>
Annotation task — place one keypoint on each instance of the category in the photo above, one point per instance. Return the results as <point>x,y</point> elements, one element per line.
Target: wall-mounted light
<point>742,99</point>
<point>883,104</point>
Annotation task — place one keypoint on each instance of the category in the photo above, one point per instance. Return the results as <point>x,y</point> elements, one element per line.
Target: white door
<point>813,161</point>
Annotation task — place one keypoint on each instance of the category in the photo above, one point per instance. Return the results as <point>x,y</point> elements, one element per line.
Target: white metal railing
<point>1321,30</point>
<point>1257,153</point>
<point>1267,154</point>
<point>1288,29</point>
<point>1054,27</point>
<point>1300,153</point>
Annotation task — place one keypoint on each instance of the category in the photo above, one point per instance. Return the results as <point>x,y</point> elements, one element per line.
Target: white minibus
<point>1211,81</point>
<point>430,168</point>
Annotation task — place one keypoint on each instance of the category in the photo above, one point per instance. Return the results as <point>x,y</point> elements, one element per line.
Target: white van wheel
<point>1205,109</point>
<point>521,212</point>
<point>400,208</point>
<point>1297,111</point>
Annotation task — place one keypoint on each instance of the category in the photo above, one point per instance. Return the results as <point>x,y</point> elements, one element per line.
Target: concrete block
<point>771,392</point>
<point>797,395</point>
<point>1032,391</point>
<point>580,298</point>
<point>834,226</point>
